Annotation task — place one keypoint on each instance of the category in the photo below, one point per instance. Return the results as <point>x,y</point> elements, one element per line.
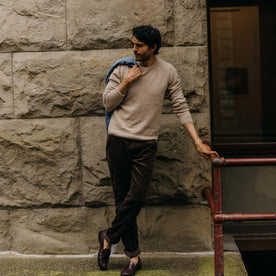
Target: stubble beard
<point>142,58</point>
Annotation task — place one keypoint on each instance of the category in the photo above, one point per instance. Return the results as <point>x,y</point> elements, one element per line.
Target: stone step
<point>154,264</point>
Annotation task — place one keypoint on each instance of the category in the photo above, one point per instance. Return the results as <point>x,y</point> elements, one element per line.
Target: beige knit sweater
<point>137,114</point>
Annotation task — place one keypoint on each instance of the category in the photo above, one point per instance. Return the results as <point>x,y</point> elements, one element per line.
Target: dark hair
<point>148,35</point>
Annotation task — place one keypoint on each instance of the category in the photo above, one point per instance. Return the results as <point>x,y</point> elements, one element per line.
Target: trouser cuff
<point>133,254</point>
<point>110,241</point>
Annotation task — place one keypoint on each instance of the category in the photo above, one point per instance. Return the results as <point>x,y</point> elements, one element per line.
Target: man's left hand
<point>205,150</point>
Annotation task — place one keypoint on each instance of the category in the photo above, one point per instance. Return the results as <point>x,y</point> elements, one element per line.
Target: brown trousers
<point>131,164</point>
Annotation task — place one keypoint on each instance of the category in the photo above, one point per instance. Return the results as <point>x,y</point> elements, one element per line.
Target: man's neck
<point>148,62</point>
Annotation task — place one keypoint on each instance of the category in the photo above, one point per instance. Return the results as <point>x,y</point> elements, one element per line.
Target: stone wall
<point>55,192</point>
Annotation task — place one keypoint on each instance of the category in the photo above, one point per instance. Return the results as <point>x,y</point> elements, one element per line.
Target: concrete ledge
<point>154,264</point>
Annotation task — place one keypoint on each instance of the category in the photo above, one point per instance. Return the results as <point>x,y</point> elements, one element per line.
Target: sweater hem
<point>133,136</point>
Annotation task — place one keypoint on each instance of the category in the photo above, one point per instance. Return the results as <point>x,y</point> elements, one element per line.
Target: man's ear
<point>154,48</point>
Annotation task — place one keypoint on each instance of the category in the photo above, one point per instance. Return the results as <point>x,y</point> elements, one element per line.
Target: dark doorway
<point>243,84</point>
<point>259,263</point>
<point>242,43</point>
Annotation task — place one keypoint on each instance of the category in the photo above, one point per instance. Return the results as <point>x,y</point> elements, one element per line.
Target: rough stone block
<point>190,17</point>
<point>108,24</point>
<point>179,173</point>
<point>57,231</point>
<point>39,162</point>
<point>97,188</point>
<point>61,84</point>
<point>175,228</point>
<point>74,230</point>
<point>5,238</point>
<point>28,25</point>
<point>192,66</point>
<point>6,96</point>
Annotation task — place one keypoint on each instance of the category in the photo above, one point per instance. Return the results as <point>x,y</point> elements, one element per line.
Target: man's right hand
<point>132,74</point>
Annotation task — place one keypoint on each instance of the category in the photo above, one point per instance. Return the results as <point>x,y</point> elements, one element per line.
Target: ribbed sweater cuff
<point>184,119</point>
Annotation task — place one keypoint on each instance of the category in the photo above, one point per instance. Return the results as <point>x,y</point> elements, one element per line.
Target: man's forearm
<point>124,85</point>
<point>133,74</point>
<point>190,127</point>
<point>203,149</point>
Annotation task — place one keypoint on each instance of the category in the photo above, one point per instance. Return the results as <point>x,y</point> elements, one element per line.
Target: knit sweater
<point>137,114</point>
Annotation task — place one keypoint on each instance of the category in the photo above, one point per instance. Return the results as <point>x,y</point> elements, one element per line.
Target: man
<point>136,96</point>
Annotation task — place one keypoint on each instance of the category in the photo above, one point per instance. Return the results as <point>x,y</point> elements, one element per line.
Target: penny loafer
<point>131,268</point>
<point>103,254</point>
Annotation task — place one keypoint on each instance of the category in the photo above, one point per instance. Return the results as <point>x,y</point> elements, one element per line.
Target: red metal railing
<point>214,198</point>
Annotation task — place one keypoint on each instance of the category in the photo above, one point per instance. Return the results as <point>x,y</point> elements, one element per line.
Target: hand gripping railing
<point>214,198</point>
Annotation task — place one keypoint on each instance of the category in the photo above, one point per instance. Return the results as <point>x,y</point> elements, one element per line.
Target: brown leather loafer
<point>131,268</point>
<point>103,254</point>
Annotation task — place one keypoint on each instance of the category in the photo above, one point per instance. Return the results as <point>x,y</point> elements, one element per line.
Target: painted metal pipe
<point>217,194</point>
<point>234,217</point>
<point>207,192</point>
<point>218,249</point>
<point>222,162</point>
<point>218,230</point>
<point>243,217</point>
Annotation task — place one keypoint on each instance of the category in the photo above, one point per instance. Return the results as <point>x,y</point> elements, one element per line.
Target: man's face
<point>141,50</point>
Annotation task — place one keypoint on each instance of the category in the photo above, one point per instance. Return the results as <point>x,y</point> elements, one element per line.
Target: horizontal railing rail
<point>222,162</point>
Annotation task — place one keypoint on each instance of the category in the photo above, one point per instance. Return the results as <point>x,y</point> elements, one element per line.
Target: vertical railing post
<point>218,232</point>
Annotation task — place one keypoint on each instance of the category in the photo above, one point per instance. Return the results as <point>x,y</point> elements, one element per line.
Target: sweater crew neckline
<point>147,68</point>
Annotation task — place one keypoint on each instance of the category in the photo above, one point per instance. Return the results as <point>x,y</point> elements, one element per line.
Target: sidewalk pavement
<point>154,264</point>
